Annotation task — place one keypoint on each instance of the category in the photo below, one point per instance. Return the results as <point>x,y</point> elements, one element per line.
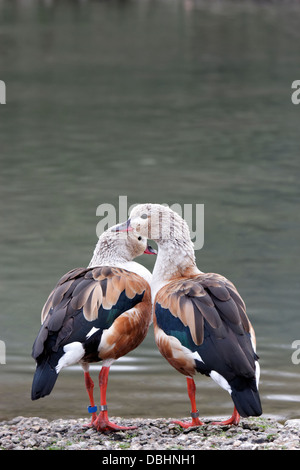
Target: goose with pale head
<point>200,320</point>
<point>98,313</point>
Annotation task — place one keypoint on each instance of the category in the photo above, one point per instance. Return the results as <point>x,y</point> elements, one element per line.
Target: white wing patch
<point>91,332</point>
<point>73,353</point>
<point>220,380</point>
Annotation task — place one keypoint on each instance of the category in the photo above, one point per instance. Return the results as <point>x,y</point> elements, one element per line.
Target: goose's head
<point>115,246</point>
<point>171,233</point>
<point>157,222</point>
<point>129,245</point>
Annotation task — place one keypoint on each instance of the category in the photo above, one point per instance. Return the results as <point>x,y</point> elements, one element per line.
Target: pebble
<point>33,433</point>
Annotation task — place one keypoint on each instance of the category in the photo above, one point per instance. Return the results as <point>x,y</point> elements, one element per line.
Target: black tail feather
<point>45,375</point>
<point>246,397</point>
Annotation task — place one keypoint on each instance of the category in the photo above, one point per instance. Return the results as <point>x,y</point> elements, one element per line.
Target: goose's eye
<point>144,216</point>
<point>139,238</point>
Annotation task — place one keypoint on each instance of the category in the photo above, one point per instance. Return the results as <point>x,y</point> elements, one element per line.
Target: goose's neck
<point>103,255</point>
<point>175,259</point>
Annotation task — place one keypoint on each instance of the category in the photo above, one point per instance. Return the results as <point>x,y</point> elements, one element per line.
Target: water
<point>167,101</point>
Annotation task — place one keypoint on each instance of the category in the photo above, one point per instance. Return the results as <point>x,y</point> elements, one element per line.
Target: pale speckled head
<point>156,222</point>
<point>114,245</point>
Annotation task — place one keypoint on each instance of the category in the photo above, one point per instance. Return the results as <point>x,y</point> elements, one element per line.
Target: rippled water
<point>174,102</point>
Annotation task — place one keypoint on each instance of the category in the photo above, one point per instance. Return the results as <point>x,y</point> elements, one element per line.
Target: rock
<point>151,434</point>
<point>237,443</point>
<point>292,423</point>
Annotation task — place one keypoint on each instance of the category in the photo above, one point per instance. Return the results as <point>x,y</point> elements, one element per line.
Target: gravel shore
<point>35,433</point>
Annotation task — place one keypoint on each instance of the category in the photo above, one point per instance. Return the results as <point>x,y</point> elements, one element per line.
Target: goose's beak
<point>125,227</point>
<point>150,251</point>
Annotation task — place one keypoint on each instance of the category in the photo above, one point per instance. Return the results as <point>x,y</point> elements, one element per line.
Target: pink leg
<point>89,384</point>
<point>102,422</point>
<point>235,419</point>
<point>191,387</point>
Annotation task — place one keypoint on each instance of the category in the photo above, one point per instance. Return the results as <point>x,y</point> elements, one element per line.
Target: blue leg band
<point>92,409</point>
